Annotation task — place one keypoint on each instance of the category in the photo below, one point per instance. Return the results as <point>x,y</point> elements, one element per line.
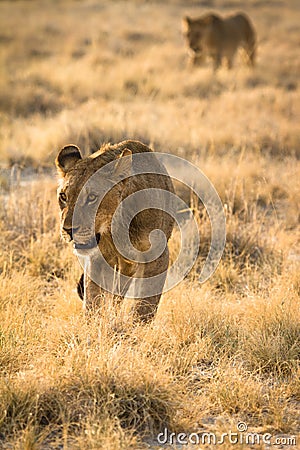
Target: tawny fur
<point>219,38</point>
<point>74,171</point>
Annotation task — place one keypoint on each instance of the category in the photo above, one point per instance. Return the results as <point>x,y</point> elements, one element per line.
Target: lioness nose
<point>70,231</point>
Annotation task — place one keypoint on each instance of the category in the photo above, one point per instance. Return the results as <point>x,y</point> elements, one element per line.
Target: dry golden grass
<point>89,72</point>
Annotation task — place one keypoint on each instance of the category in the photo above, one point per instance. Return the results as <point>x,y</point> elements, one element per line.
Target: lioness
<point>210,35</point>
<point>79,190</point>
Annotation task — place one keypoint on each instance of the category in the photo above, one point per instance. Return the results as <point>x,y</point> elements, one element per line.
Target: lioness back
<point>238,29</point>
<point>219,38</point>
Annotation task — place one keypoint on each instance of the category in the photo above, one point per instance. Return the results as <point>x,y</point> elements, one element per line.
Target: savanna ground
<point>220,353</point>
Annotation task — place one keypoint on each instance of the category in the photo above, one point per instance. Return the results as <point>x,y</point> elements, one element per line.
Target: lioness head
<point>194,30</point>
<point>93,199</point>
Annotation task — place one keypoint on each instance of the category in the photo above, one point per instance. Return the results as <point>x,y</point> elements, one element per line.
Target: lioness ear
<point>123,166</point>
<point>185,23</point>
<point>67,158</point>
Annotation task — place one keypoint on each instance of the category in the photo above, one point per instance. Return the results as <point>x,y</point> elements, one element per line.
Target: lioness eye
<point>63,197</point>
<point>91,198</point>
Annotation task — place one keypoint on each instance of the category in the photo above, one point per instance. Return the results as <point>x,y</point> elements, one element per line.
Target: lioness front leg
<point>217,60</point>
<point>95,296</point>
<point>90,294</point>
<point>146,307</point>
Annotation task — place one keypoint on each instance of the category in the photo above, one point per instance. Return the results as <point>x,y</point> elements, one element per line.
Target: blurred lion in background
<point>219,38</point>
